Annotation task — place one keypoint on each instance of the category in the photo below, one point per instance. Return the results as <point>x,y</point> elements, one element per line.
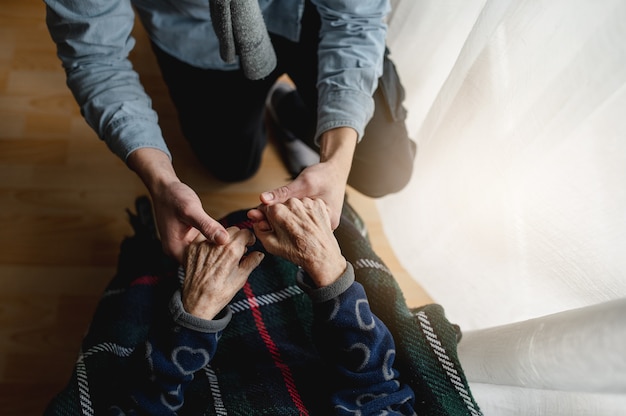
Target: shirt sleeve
<point>93,40</point>
<point>360,349</point>
<point>351,51</point>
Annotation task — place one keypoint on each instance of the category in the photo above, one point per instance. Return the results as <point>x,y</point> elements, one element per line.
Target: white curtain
<point>517,206</point>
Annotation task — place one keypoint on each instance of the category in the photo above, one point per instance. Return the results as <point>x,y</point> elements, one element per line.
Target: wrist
<point>325,273</point>
<point>182,317</point>
<point>206,312</point>
<point>153,167</point>
<point>329,292</point>
<point>337,146</point>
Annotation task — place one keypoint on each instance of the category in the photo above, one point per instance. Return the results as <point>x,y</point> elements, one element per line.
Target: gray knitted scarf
<point>241,31</point>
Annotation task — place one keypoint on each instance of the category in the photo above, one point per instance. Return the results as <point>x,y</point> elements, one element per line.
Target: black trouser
<point>222,115</point>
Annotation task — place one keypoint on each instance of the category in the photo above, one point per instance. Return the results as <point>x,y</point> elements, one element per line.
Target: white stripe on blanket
<point>446,363</point>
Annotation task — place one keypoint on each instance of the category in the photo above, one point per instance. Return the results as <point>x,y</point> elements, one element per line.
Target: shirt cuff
<point>343,108</point>
<point>126,133</point>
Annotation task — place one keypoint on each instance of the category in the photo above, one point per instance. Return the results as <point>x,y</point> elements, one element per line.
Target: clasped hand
<point>299,230</point>
<point>179,214</point>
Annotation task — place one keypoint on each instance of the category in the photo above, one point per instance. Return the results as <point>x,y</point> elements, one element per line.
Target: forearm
<point>338,145</point>
<point>154,167</point>
<point>337,148</point>
<point>176,349</point>
<point>361,350</point>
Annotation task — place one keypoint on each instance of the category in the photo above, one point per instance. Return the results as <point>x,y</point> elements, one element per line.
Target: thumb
<point>282,194</point>
<point>211,229</point>
<point>251,261</point>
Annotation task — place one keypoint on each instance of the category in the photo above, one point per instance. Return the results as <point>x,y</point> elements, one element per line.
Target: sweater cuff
<point>187,320</point>
<point>326,293</point>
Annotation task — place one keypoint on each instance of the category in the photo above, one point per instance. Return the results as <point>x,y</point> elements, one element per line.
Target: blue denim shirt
<point>94,39</point>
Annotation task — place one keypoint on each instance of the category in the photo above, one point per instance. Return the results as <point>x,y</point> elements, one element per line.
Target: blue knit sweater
<point>356,345</point>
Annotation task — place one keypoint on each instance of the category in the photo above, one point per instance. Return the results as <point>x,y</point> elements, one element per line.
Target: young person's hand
<point>325,180</point>
<point>181,218</point>
<point>178,210</point>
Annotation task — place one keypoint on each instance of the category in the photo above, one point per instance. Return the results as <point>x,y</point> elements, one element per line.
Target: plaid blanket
<point>265,363</point>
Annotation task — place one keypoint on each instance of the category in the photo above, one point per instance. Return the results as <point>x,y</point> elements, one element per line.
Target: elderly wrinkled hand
<point>300,231</point>
<point>216,272</point>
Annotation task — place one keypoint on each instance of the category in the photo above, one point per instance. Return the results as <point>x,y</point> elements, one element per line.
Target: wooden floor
<point>63,197</point>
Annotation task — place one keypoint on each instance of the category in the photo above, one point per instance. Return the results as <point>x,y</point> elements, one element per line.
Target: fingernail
<point>268,196</point>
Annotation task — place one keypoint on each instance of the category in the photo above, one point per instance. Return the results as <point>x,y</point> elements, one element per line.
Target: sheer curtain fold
<point>519,186</point>
<point>517,206</point>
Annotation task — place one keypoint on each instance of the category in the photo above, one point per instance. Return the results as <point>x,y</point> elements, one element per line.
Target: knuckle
<point>233,252</point>
<point>282,192</point>
<point>291,202</point>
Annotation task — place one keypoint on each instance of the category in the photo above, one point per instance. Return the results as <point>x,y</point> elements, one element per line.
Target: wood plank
<point>16,280</point>
<point>25,399</point>
<point>28,151</point>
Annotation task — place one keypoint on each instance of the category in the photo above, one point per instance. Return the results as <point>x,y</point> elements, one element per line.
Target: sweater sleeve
<point>361,350</point>
<point>174,351</point>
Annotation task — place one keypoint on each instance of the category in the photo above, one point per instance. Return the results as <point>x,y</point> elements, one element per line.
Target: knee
<point>382,184</point>
<point>229,169</point>
<point>231,160</point>
<point>233,175</point>
<point>378,177</point>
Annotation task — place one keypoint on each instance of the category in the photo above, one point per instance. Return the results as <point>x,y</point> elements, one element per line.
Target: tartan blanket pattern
<point>425,340</point>
<point>265,363</point>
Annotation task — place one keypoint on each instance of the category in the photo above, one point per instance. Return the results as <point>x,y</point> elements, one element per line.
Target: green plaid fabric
<point>426,341</point>
<point>265,364</point>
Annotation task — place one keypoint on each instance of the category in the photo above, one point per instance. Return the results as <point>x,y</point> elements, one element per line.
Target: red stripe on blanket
<point>145,280</point>
<point>245,224</point>
<point>274,351</point>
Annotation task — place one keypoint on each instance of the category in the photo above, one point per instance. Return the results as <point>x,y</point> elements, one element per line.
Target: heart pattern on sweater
<point>189,360</point>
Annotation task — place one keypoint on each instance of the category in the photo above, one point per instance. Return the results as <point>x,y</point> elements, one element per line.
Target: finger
<point>267,237</point>
<point>256,214</point>
<point>199,238</point>
<point>279,214</point>
<point>190,253</point>
<point>282,194</point>
<point>262,226</point>
<point>246,237</point>
<point>197,255</point>
<point>251,261</point>
<point>259,219</point>
<point>211,229</point>
<point>322,209</point>
<point>232,231</point>
<point>297,203</point>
